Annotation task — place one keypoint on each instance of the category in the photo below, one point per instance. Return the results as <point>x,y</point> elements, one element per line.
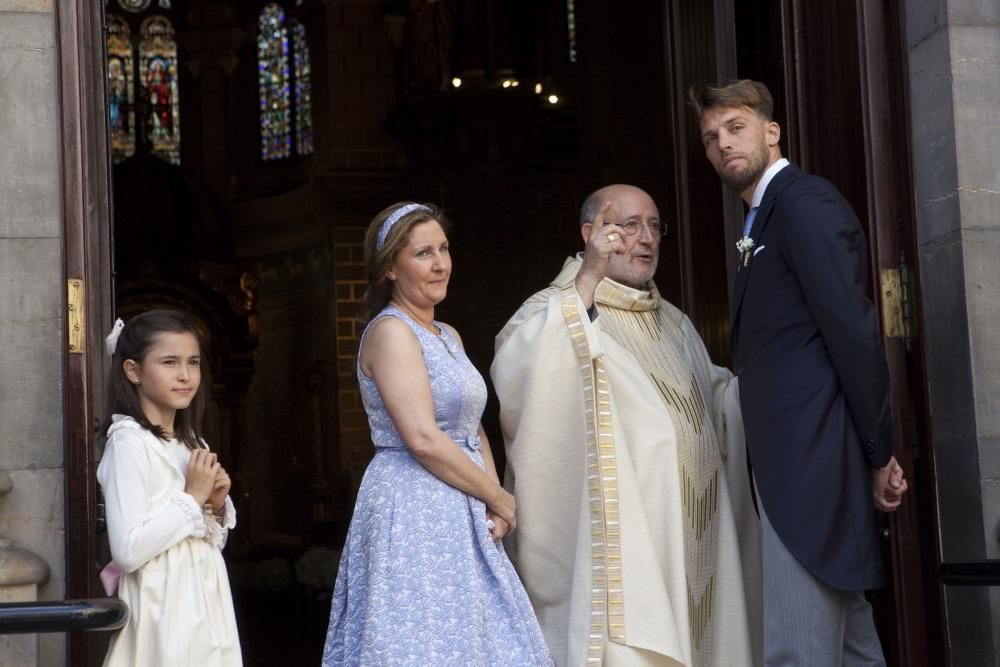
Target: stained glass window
<point>272,72</point>
<point>571,28</point>
<point>121,82</point>
<point>158,75</point>
<point>303,90</point>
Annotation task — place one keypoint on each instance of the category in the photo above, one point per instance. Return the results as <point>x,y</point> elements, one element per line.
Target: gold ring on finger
<point>612,237</point>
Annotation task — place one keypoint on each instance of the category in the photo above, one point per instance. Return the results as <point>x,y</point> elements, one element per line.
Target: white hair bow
<point>111,342</point>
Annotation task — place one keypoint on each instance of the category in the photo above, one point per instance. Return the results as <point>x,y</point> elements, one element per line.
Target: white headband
<point>111,342</point>
<point>383,231</point>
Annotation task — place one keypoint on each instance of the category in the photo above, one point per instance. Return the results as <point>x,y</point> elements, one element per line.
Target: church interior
<point>253,140</point>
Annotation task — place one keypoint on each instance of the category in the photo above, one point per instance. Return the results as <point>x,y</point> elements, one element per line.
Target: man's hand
<point>888,486</point>
<point>603,241</point>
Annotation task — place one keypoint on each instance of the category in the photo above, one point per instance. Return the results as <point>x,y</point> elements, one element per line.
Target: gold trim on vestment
<point>607,599</point>
<point>633,319</point>
<point>651,330</point>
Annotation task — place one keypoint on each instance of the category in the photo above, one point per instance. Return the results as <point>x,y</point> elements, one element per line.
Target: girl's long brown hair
<point>136,339</point>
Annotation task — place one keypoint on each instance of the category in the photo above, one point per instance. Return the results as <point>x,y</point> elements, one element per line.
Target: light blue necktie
<point>748,225</point>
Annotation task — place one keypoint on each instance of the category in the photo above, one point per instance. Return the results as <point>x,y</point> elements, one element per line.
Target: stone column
<point>21,573</point>
<point>320,491</point>
<point>32,299</point>
<point>211,57</point>
<point>954,69</point>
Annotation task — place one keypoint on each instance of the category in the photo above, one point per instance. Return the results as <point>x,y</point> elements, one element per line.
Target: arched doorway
<point>509,164</point>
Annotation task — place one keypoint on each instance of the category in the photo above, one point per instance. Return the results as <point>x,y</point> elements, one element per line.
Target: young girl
<point>167,502</point>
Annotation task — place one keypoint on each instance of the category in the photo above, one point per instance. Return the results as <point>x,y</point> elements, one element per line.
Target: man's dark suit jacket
<point>813,378</point>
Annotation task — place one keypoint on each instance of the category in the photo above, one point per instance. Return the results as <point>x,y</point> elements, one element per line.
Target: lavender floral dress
<point>421,581</point>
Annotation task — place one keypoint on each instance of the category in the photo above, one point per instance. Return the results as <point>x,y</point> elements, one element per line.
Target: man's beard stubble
<point>620,271</point>
<point>739,181</point>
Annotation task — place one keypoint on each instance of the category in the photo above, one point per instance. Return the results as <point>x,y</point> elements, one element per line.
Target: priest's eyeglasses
<point>633,227</point>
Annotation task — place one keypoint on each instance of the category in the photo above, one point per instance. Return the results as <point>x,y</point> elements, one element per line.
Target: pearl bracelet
<point>211,513</point>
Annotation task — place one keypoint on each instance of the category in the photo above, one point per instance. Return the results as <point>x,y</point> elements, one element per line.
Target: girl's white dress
<point>174,580</point>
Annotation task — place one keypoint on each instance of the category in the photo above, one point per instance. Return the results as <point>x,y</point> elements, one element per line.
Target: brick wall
<point>349,286</point>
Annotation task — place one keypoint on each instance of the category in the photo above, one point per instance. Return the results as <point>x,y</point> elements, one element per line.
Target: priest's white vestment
<point>637,539</point>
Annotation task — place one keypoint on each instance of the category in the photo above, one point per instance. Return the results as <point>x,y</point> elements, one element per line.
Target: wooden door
<point>910,611</point>
<point>837,73</point>
<point>840,77</point>
<point>87,271</point>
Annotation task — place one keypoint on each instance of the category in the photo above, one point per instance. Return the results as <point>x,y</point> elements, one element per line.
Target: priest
<point>637,537</point>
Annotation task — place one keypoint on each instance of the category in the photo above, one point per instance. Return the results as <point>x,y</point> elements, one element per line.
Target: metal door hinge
<point>74,315</point>
<point>897,304</point>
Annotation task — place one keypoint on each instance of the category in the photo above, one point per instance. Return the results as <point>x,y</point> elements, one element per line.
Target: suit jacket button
<point>739,371</point>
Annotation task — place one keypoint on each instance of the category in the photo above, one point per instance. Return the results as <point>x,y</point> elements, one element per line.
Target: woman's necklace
<point>438,332</point>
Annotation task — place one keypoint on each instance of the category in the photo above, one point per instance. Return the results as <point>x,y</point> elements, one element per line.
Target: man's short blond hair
<point>736,94</point>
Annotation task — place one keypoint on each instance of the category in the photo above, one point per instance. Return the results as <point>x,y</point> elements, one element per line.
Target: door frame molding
<point>920,628</point>
<point>85,213</point>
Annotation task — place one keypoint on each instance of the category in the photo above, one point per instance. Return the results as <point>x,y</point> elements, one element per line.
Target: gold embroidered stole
<point>607,610</point>
<point>653,335</point>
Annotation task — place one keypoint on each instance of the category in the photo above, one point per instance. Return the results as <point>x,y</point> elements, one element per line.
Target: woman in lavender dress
<point>424,579</point>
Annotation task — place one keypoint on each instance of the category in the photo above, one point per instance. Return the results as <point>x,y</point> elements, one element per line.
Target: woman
<point>424,579</point>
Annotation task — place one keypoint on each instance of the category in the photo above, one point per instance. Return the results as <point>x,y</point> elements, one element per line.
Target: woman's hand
<point>504,506</point>
<point>203,466</point>
<point>220,490</point>
<point>393,357</point>
<point>500,527</point>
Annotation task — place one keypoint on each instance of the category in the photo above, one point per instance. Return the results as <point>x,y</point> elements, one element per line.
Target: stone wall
<point>954,69</point>
<point>360,67</point>
<point>31,297</point>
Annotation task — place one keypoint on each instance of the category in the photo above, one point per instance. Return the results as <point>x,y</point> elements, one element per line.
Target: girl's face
<point>168,377</point>
<point>423,266</point>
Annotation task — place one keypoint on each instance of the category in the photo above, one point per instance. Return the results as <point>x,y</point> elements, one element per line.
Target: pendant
<point>447,347</point>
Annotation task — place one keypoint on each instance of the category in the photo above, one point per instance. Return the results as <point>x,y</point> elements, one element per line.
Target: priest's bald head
<point>635,213</point>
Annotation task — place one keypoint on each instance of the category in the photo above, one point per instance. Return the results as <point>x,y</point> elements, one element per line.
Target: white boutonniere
<point>745,245</point>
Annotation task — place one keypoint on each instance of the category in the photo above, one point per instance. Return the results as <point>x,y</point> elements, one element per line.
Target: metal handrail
<point>62,616</point>
<point>971,573</point>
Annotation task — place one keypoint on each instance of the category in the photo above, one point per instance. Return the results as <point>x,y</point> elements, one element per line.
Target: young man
<point>813,388</point>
